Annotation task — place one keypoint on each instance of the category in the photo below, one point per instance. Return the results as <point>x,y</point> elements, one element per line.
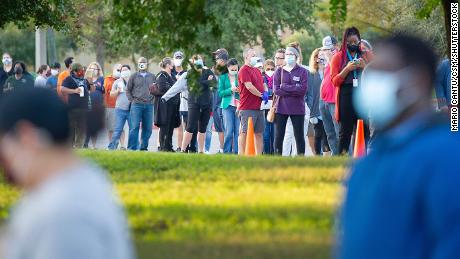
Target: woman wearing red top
<point>346,68</point>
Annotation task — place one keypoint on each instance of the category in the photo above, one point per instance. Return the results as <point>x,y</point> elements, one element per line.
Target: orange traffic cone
<point>250,148</point>
<point>360,145</point>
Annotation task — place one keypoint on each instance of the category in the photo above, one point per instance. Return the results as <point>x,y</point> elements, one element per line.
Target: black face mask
<point>353,48</point>
<point>18,70</point>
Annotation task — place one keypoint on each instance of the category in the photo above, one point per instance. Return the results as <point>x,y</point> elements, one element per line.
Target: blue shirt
<point>402,200</point>
<point>51,83</point>
<point>442,85</point>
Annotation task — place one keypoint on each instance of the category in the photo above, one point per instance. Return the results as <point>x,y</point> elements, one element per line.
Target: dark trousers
<point>167,130</point>
<point>77,119</point>
<point>321,144</point>
<point>280,130</point>
<point>192,147</point>
<point>348,119</point>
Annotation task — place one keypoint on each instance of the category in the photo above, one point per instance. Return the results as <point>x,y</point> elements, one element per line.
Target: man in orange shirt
<point>111,100</point>
<point>63,75</point>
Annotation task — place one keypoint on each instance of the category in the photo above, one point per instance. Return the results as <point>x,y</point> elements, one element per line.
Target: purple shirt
<point>291,91</point>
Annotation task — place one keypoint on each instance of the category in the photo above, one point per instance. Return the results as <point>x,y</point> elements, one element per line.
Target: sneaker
<point>207,153</point>
<point>221,151</point>
<point>123,148</point>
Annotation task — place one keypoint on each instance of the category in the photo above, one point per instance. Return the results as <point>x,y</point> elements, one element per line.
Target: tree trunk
<point>100,42</point>
<point>446,7</point>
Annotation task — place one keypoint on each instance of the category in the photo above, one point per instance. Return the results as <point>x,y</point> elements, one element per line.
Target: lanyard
<point>351,59</point>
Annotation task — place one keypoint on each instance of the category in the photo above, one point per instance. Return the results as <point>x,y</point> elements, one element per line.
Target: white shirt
<point>40,81</point>
<point>73,215</point>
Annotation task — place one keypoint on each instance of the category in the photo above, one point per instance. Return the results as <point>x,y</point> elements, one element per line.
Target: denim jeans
<point>331,126</point>
<point>121,117</point>
<point>231,130</point>
<point>207,144</point>
<point>269,136</point>
<point>140,113</point>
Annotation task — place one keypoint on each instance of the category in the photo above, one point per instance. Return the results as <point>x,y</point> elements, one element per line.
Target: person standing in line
<point>95,77</point>
<point>122,107</point>
<point>110,101</point>
<point>328,96</point>
<point>315,76</point>
<point>269,132</point>
<point>21,78</point>
<point>68,208</point>
<point>63,75</point>
<point>183,108</point>
<point>290,86</point>
<point>401,199</point>
<point>167,115</point>
<point>42,76</point>
<point>6,70</point>
<point>252,93</point>
<point>51,82</point>
<point>229,92</point>
<point>199,103</point>
<point>346,68</point>
<point>141,99</point>
<point>76,87</point>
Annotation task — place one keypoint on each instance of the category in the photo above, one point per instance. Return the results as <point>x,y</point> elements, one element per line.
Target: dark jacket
<point>165,111</point>
<point>12,83</point>
<point>204,97</point>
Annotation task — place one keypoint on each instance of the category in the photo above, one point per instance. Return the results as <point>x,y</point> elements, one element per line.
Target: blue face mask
<point>290,60</point>
<point>377,97</point>
<point>199,63</point>
<point>253,61</point>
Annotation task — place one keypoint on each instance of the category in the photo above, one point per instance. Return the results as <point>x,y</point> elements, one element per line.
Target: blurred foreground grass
<point>198,206</point>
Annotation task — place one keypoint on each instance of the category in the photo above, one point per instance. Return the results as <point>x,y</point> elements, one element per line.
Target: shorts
<point>184,117</point>
<point>218,120</point>
<point>258,119</point>
<point>110,119</point>
<point>198,118</point>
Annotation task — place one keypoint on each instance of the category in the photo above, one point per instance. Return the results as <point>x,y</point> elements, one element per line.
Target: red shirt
<point>248,101</point>
<point>110,101</point>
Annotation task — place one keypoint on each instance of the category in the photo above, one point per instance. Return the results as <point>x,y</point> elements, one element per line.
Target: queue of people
<point>311,105</point>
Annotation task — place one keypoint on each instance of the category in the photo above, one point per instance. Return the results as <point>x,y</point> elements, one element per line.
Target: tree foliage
<point>201,26</point>
<point>55,13</point>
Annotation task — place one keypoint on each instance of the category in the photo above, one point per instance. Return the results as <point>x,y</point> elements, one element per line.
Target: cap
<point>221,54</point>
<point>178,54</point>
<point>329,42</point>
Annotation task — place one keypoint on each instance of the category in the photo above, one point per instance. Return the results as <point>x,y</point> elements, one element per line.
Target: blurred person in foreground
<point>402,199</point>
<point>68,209</point>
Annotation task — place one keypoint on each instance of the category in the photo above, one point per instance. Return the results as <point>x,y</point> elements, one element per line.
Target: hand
<point>210,77</point>
<point>76,90</point>
<point>162,100</point>
<point>235,89</point>
<point>362,63</point>
<point>265,97</point>
<point>351,66</point>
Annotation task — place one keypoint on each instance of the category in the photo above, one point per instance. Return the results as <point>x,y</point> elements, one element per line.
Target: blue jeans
<point>331,126</point>
<point>231,130</point>
<point>140,113</point>
<point>121,116</point>
<point>269,136</point>
<point>207,143</point>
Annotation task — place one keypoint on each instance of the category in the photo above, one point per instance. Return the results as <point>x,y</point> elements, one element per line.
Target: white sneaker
<point>207,153</point>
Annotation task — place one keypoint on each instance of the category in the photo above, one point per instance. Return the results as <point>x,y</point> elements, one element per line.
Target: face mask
<point>142,66</point>
<point>253,61</point>
<point>377,97</point>
<point>125,73</point>
<point>7,61</point>
<point>54,72</point>
<point>352,48</point>
<point>269,73</point>
<point>178,62</point>
<point>116,73</point>
<point>80,73</point>
<point>18,70</point>
<point>199,63</point>
<point>290,60</point>
<point>233,72</point>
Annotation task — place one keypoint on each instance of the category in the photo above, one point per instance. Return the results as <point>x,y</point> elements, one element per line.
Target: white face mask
<point>142,66</point>
<point>253,61</point>
<point>377,98</point>
<point>233,72</point>
<point>178,62</point>
<point>269,73</point>
<point>7,61</point>
<point>125,73</point>
<point>54,72</point>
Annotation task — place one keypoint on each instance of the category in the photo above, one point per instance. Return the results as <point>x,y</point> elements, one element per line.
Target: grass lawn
<point>198,206</point>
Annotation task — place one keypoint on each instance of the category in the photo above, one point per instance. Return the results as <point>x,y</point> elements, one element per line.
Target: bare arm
<point>252,89</point>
